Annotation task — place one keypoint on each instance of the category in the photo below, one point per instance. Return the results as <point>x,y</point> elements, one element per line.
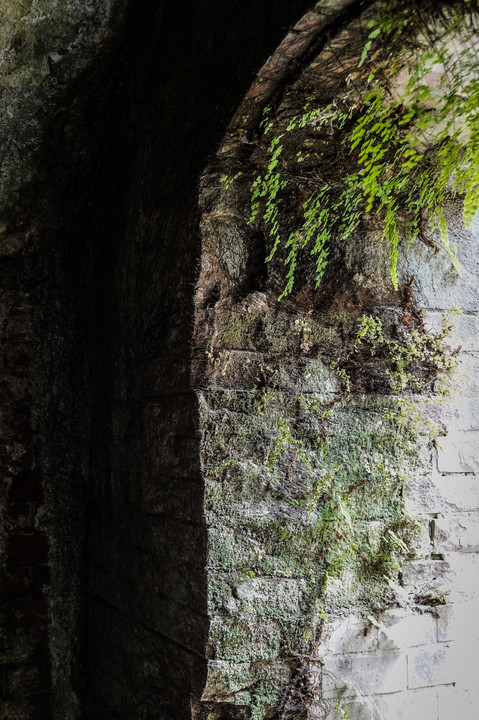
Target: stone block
<point>431,666</point>
<point>458,622</point>
<point>349,635</point>
<point>240,640</point>
<point>457,452</point>
<point>231,551</point>
<point>466,570</point>
<point>315,376</point>
<point>418,704</point>
<point>236,369</point>
<point>466,328</point>
<point>459,533</point>
<point>365,674</point>
<point>456,703</point>
<point>459,412</point>
<point>224,678</point>
<point>441,494</point>
<point>437,284</point>
<point>456,492</point>
<point>421,495</point>
<point>429,577</point>
<point>269,596</point>
<point>465,381</point>
<point>404,629</point>
<point>422,544</point>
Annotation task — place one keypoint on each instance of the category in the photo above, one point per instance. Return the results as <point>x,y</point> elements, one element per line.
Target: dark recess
<point>112,217</point>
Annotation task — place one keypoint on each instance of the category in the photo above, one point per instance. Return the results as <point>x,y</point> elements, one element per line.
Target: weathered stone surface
<point>418,704</point>
<point>437,285</point>
<point>434,665</point>
<point>460,414</point>
<point>365,674</point>
<point>457,452</point>
<point>466,327</point>
<point>257,522</point>
<point>435,494</point>
<point>457,533</point>
<point>351,634</point>
<point>429,578</point>
<point>44,46</point>
<point>457,622</point>
<point>102,140</point>
<point>454,702</point>
<point>364,709</point>
<point>404,630</point>
<point>104,131</point>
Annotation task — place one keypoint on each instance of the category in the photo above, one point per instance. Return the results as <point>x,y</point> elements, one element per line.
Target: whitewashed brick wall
<point>420,662</point>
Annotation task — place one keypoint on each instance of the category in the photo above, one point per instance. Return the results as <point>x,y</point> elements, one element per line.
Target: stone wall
<point>24,542</point>
<point>109,114</point>
<point>45,50</point>
<point>414,660</point>
<point>156,553</point>
<point>292,627</point>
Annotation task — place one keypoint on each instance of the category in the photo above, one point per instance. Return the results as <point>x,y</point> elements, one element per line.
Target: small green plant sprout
<point>409,419</point>
<point>341,710</point>
<point>369,330</point>
<point>301,157</point>
<point>266,396</point>
<point>284,533</point>
<point>219,468</point>
<point>228,181</point>
<point>219,360</point>
<point>284,441</point>
<point>312,404</point>
<point>416,359</point>
<point>342,374</point>
<point>266,124</point>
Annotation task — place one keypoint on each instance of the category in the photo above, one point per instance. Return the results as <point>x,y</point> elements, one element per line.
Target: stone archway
<point>293,633</point>
<point>143,527</point>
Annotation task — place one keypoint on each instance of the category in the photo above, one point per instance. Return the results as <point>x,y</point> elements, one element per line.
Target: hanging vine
<point>408,124</point>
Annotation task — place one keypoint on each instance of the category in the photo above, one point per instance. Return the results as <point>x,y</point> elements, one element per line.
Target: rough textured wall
<point>342,526</point>
<point>106,125</point>
<point>107,121</point>
<point>46,50</point>
<point>147,535</point>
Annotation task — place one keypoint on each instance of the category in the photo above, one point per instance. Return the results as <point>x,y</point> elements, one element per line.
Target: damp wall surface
<point>294,628</point>
<point>111,111</point>
<point>46,55</point>
<point>140,567</point>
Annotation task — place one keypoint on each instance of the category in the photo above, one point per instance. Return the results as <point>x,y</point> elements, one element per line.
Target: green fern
<point>409,158</point>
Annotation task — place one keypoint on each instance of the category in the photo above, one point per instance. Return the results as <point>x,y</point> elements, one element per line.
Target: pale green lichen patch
<point>255,684</point>
<point>274,331</point>
<point>232,551</point>
<point>304,503</point>
<point>240,640</point>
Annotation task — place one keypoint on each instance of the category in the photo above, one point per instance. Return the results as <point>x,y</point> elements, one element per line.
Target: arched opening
<point>335,560</point>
